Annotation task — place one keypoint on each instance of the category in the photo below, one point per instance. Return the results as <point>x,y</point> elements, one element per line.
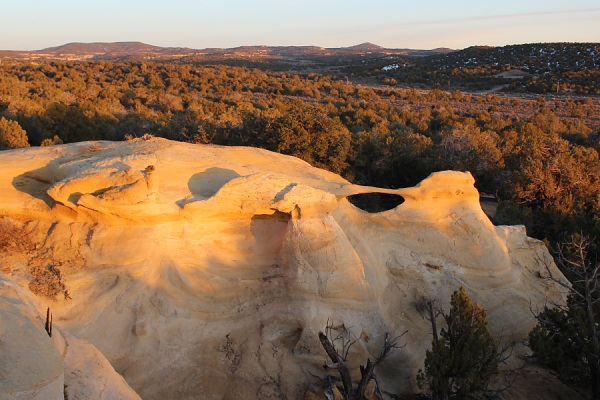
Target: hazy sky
<point>423,24</point>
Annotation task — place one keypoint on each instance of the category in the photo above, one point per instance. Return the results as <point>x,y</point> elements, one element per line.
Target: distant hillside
<point>538,68</point>
<point>109,50</point>
<point>532,58</point>
<point>365,47</point>
<point>442,50</point>
<point>102,48</point>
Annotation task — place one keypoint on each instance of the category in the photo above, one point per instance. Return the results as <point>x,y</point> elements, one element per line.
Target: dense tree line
<point>539,155</point>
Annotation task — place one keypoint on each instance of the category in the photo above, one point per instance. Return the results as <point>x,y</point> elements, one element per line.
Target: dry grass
<point>47,281</point>
<point>13,237</point>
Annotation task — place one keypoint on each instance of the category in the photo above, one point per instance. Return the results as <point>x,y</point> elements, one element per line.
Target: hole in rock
<point>376,202</point>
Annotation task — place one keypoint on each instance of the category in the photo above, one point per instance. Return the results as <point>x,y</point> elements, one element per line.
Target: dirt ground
<point>537,383</point>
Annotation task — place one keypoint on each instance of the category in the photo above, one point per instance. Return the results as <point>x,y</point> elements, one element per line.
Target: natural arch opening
<point>376,202</point>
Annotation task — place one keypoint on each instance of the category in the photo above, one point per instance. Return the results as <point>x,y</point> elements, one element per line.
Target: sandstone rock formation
<point>207,272</point>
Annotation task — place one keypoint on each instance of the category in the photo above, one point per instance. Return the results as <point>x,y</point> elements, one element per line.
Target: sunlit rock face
<point>207,272</point>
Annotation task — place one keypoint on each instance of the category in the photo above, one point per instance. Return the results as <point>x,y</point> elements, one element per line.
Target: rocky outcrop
<point>36,365</point>
<point>210,270</point>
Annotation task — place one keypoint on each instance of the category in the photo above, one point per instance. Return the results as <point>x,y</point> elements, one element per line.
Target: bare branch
<point>338,361</point>
<point>368,370</point>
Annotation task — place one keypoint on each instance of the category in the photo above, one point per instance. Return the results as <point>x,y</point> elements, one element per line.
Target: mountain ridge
<point>102,50</point>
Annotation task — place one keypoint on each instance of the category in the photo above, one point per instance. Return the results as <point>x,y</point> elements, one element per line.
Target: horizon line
<point>275,46</point>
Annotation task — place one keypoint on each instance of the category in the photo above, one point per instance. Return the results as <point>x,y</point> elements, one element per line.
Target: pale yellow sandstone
<point>211,275</point>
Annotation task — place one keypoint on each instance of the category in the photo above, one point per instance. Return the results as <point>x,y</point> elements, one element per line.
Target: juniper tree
<point>463,356</point>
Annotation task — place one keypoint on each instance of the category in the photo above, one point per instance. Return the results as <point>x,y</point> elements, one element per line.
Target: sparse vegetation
<point>232,354</point>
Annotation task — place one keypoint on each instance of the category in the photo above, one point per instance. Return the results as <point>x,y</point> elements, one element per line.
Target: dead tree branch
<point>339,361</point>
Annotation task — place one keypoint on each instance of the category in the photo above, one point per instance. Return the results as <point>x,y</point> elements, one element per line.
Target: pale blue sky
<point>422,24</point>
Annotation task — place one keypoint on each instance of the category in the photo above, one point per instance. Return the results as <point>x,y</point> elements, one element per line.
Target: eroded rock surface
<point>205,271</point>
